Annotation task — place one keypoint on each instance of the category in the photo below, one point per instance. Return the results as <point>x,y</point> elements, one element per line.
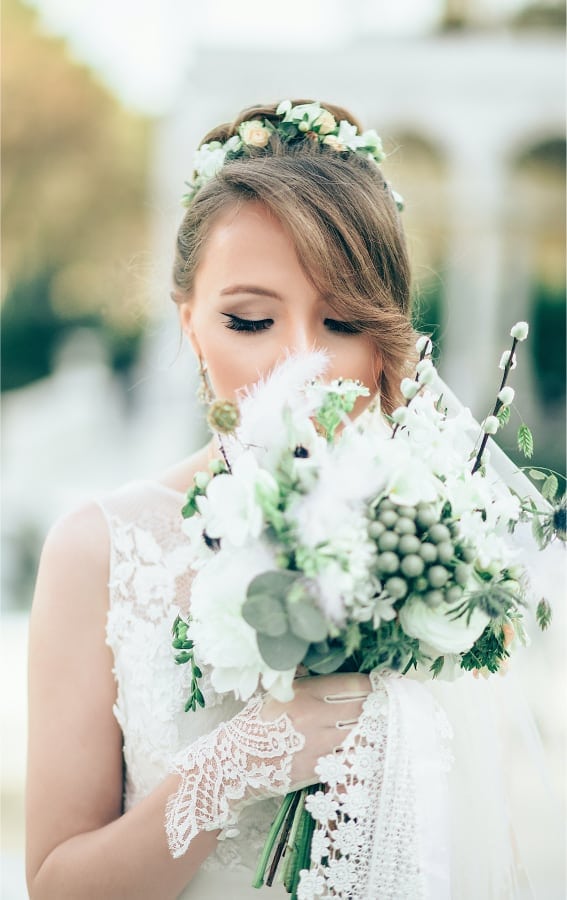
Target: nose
<point>302,337</point>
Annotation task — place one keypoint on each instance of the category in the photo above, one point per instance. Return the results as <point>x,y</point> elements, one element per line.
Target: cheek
<point>235,361</point>
<point>356,358</point>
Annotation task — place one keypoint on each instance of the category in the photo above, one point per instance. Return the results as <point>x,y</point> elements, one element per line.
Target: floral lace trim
<point>243,760</point>
<point>367,838</point>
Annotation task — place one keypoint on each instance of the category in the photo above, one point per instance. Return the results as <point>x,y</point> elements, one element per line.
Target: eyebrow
<point>250,289</point>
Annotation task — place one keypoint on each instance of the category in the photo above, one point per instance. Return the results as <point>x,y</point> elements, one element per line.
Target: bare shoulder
<point>72,579</point>
<point>83,530</point>
<point>78,544</point>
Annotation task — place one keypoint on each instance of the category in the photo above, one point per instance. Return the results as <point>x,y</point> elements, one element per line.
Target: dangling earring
<point>205,391</point>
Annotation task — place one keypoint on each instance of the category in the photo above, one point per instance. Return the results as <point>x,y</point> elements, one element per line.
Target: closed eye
<point>343,327</point>
<point>235,323</point>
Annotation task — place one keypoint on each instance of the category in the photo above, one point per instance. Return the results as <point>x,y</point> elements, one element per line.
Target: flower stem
<point>283,841</point>
<point>271,839</point>
<point>497,405</point>
<point>303,844</point>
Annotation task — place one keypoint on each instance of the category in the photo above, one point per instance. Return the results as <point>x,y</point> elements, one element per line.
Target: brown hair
<point>344,223</point>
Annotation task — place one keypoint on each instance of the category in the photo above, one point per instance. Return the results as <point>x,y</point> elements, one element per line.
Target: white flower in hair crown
<point>307,120</point>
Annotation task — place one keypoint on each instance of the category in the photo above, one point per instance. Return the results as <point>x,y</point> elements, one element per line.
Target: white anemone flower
<point>230,509</point>
<point>222,638</point>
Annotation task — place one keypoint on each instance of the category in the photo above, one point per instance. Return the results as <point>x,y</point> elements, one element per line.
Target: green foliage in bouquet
<point>185,648</point>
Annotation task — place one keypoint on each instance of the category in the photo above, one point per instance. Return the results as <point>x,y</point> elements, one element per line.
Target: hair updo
<point>343,220</point>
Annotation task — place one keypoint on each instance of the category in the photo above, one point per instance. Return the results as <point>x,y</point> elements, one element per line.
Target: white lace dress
<point>149,584</point>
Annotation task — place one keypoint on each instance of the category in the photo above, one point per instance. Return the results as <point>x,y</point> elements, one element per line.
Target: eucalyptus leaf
<point>306,621</point>
<point>324,659</point>
<point>266,614</point>
<point>281,653</point>
<point>274,583</point>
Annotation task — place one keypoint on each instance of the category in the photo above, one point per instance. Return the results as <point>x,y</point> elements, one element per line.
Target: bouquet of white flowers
<point>366,544</point>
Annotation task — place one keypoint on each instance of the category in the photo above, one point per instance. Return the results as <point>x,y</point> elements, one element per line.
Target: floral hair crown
<point>306,120</point>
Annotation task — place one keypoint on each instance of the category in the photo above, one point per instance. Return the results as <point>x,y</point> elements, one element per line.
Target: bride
<point>292,240</point>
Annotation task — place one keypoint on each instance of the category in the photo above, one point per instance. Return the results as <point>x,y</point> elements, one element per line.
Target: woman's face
<point>252,303</point>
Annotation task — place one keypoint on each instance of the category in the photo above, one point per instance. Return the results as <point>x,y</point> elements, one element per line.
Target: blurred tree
<point>76,229</point>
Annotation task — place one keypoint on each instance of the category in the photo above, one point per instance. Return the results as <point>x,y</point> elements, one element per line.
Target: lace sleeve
<point>241,761</point>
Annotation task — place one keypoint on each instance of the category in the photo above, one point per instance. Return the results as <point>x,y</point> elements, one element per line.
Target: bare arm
<point>79,845</point>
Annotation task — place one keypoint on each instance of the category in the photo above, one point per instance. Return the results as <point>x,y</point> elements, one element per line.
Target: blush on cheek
<point>232,371</point>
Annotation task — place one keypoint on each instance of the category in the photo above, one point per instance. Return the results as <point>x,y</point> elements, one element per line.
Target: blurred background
<point>105,102</point>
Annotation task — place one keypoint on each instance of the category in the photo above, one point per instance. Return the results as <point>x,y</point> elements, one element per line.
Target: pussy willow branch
<point>497,406</point>
<point>422,355</point>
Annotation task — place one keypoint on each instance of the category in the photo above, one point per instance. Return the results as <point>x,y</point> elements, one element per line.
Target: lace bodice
<point>149,584</point>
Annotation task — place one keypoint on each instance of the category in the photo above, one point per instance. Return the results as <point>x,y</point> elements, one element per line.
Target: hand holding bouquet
<point>385,545</point>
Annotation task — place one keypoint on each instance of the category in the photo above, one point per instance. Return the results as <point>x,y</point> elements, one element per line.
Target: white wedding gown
<point>150,583</point>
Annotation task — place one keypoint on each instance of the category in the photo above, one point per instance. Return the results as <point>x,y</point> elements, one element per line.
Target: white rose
<point>254,133</point>
<point>435,627</point>
<point>326,122</point>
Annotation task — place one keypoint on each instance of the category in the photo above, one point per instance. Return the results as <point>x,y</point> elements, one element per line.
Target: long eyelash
<point>237,324</point>
<point>343,327</point>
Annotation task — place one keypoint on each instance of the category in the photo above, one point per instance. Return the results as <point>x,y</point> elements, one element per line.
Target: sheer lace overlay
<point>149,584</point>
<point>242,760</point>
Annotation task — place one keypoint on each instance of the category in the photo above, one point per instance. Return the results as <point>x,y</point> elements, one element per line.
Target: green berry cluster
<point>419,552</point>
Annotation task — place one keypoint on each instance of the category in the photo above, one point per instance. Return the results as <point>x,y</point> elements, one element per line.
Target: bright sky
<point>143,48</point>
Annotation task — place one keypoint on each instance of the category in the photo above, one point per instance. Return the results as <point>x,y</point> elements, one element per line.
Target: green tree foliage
<point>75,235</point>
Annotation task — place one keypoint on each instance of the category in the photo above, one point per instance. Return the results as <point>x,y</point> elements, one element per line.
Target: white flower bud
<point>423,365</point>
<point>283,108</point>
<point>303,126</point>
<point>201,480</point>
<point>506,395</point>
<point>504,360</point>
<point>428,376</point>
<point>400,415</point>
<point>520,331</point>
<point>423,342</point>
<point>490,425</point>
<point>409,388</point>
